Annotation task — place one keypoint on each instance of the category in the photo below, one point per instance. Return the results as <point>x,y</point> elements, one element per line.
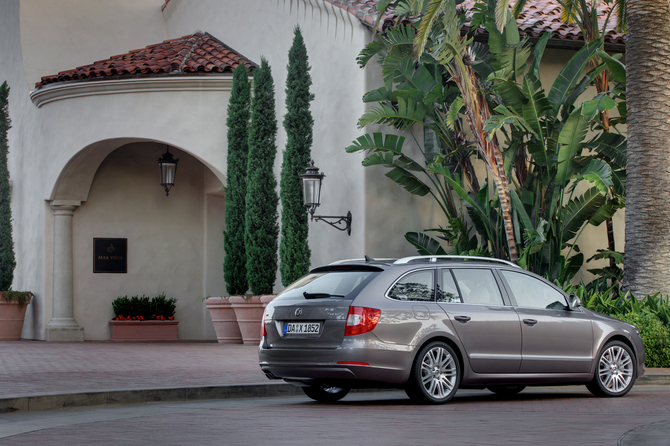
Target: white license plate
<point>302,327</point>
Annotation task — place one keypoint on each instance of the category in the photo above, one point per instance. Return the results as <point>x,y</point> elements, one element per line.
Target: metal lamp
<point>168,168</point>
<point>311,192</point>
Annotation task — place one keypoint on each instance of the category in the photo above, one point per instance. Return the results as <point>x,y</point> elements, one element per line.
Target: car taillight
<point>361,320</point>
<point>263,332</point>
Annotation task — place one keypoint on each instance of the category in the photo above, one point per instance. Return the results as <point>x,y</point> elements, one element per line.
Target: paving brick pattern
<point>32,367</point>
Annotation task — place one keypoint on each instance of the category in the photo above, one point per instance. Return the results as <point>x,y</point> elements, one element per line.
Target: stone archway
<point>111,190</point>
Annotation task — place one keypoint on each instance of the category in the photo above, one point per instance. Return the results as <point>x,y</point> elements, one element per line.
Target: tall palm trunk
<point>647,254</point>
<point>477,113</point>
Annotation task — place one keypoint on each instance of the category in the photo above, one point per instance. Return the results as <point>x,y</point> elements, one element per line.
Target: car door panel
<point>555,339</point>
<point>488,329</point>
<point>491,336</point>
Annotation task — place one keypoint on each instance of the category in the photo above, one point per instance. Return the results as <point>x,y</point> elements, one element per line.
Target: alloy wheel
<point>438,373</point>
<point>615,369</point>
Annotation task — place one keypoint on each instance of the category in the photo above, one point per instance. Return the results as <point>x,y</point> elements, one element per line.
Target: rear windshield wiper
<point>319,295</point>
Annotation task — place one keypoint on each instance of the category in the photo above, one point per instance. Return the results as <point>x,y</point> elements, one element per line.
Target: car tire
<point>506,390</point>
<point>435,374</point>
<point>616,370</point>
<point>325,393</point>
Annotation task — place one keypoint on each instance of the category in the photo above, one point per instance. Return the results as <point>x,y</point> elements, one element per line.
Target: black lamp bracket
<point>340,223</point>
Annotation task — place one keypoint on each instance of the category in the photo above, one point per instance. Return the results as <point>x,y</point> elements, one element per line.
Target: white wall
<point>333,39</point>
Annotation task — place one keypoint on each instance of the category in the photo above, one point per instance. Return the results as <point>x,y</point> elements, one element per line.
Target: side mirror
<point>574,302</point>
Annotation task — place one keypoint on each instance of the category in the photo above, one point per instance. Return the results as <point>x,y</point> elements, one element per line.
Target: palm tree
<point>647,254</point>
<point>452,54</point>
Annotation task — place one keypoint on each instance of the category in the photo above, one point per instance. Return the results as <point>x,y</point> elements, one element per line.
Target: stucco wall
<point>333,39</point>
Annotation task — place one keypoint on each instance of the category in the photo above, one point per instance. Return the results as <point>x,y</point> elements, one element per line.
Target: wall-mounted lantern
<point>311,188</point>
<point>168,167</point>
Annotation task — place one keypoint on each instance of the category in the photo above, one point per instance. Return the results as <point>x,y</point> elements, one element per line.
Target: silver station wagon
<point>433,324</point>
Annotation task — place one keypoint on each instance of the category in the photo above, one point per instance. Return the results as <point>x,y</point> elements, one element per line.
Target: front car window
<point>416,286</point>
<point>533,293</point>
<point>478,286</point>
<point>346,283</point>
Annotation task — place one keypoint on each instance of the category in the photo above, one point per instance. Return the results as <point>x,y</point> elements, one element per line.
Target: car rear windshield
<point>334,283</point>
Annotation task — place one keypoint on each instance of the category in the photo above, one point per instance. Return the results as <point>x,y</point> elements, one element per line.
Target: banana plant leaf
<point>578,211</point>
<point>425,244</point>
<point>571,74</point>
<point>404,116</point>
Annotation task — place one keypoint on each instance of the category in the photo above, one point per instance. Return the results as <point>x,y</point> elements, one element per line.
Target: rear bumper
<point>368,366</point>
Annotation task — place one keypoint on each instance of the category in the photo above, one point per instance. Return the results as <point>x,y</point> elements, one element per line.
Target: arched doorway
<point>174,243</point>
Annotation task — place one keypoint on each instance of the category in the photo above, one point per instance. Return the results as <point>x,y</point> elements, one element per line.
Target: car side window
<point>478,286</point>
<point>416,286</point>
<point>449,292</point>
<point>533,293</point>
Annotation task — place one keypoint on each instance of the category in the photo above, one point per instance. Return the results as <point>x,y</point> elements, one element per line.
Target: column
<point>63,326</point>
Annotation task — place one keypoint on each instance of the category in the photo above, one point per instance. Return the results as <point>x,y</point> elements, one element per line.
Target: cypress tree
<point>294,250</point>
<point>7,260</point>
<point>261,229</point>
<point>235,262</point>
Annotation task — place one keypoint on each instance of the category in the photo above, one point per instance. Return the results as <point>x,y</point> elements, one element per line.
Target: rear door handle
<point>530,322</point>
<point>463,319</point>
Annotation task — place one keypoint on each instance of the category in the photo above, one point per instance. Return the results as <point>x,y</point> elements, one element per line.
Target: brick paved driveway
<point>540,416</point>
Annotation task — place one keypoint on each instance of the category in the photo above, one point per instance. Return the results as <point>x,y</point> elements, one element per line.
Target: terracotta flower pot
<point>11,319</point>
<point>224,320</point>
<point>249,313</point>
<point>142,331</point>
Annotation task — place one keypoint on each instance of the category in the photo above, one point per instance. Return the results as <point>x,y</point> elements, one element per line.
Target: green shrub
<point>261,231</point>
<point>655,335</point>
<point>7,259</point>
<point>614,302</point>
<point>144,308</point>
<point>235,262</point>
<point>294,250</point>
<point>21,297</point>
<point>162,306</point>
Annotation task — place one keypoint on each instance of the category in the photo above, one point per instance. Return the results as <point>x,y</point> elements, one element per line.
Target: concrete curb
<point>55,401</point>
<point>653,380</point>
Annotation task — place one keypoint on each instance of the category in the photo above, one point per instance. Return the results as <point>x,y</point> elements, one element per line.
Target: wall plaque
<point>110,255</point>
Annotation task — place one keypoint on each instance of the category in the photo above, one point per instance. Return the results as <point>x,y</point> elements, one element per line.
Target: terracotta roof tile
<point>538,16</point>
<point>195,53</point>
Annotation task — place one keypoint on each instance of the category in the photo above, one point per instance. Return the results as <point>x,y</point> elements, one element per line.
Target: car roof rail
<point>434,258</point>
<point>363,260</point>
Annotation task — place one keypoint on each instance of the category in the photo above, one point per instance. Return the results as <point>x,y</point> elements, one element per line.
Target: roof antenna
<point>369,259</point>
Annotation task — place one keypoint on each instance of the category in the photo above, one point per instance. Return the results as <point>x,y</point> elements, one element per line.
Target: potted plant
<point>224,320</point>
<point>12,303</point>
<point>234,266</point>
<point>13,306</point>
<point>261,230</point>
<point>143,319</point>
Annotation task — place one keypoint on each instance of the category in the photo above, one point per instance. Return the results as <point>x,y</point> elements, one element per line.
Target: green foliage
<point>544,138</point>
<point>655,335</point>
<point>144,308</point>
<point>7,259</point>
<point>294,250</point>
<point>261,230</point>
<point>614,302</point>
<point>235,262</point>
<point>21,297</point>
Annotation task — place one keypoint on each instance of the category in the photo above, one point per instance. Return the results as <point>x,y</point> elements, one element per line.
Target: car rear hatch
<point>312,312</point>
